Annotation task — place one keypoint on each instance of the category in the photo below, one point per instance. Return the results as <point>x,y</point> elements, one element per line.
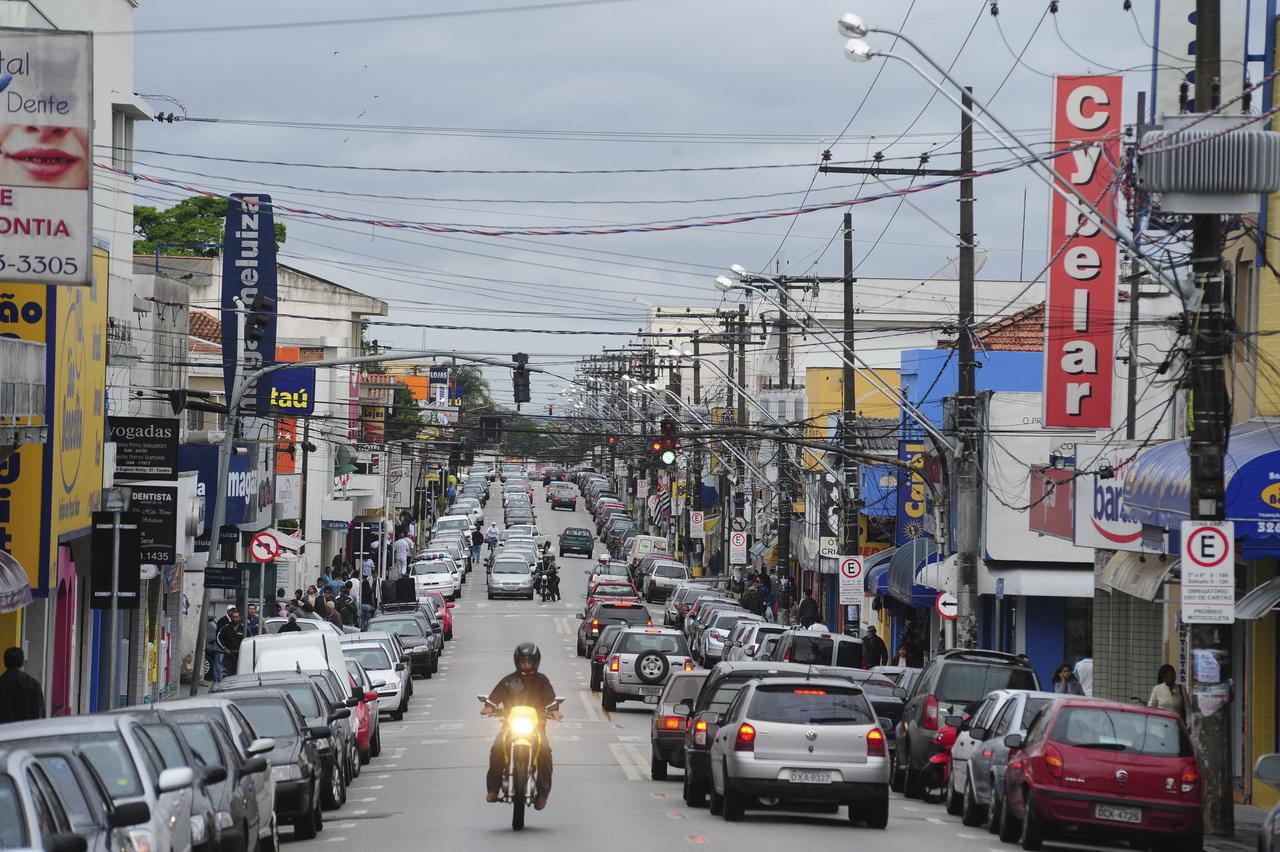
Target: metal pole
<point>968,520</point>
<point>1210,429</point>
<point>851,531</point>
<point>113,696</point>
<point>1135,290</point>
<point>697,372</point>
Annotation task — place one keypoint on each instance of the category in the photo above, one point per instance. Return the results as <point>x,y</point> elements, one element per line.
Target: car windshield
<point>200,738</point>
<point>402,626</point>
<point>729,619</point>
<point>965,683</point>
<point>451,525</point>
<point>434,566</point>
<point>13,826</point>
<point>1121,730</point>
<point>268,718</point>
<point>614,590</point>
<point>167,741</point>
<point>669,571</point>
<point>809,706</point>
<point>370,658</point>
<point>664,643</point>
<point>510,566</point>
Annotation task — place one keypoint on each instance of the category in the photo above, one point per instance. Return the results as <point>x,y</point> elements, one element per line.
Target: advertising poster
<point>248,270</point>
<point>46,156</point>
<point>146,447</point>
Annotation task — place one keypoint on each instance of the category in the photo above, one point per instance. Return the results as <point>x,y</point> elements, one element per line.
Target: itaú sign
<point>1081,300</point>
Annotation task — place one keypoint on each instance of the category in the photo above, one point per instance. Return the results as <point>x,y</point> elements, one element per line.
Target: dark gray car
<point>987,764</point>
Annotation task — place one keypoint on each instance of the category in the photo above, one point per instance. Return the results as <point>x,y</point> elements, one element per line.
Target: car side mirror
<point>353,701</point>
<point>954,721</point>
<point>1014,741</point>
<point>371,696</point>
<point>319,732</point>
<point>215,774</point>
<point>581,616</point>
<point>683,708</point>
<point>67,842</point>
<point>900,693</point>
<point>750,650</point>
<point>978,734</point>
<point>399,667</point>
<point>254,765</point>
<point>1268,769</point>
<point>175,779</point>
<point>261,745</point>
<point>136,812</point>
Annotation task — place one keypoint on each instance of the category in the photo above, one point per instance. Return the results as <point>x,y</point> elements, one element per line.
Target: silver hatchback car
<point>640,663</point>
<point>801,740</point>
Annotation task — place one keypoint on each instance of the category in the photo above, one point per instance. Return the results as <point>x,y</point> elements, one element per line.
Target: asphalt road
<point>427,789</point>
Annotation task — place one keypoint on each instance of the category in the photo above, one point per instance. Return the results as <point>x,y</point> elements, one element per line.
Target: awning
<point>906,566</point>
<point>1157,481</point>
<point>15,588</point>
<point>1260,601</point>
<point>1035,579</point>
<point>1137,574</point>
<point>875,572</point>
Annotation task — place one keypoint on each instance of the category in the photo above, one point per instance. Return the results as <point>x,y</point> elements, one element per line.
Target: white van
<point>643,545</point>
<point>310,651</point>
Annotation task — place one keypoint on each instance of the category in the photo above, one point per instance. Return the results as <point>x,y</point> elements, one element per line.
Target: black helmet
<point>527,653</point>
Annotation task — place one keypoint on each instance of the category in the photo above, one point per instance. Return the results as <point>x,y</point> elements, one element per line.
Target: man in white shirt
<point>402,548</point>
<point>366,568</point>
<point>1084,674</point>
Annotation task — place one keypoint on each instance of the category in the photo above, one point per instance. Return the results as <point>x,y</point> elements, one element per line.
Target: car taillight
<point>673,723</point>
<point>1190,777</point>
<point>930,721</point>
<point>746,739</point>
<point>700,733</point>
<point>714,634</point>
<point>614,663</point>
<point>648,622</point>
<point>986,752</point>
<point>1053,761</point>
<point>688,664</point>
<point>595,625</point>
<point>875,743</point>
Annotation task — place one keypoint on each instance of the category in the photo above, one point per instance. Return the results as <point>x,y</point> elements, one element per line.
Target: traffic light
<point>520,377</point>
<point>490,429</point>
<point>259,315</point>
<point>664,446</point>
<point>612,442</point>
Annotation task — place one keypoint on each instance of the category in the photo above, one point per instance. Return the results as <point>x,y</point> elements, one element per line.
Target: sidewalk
<point>1248,825</point>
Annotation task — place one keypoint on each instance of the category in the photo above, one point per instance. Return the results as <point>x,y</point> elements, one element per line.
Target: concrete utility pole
<point>1210,428</point>
<point>740,487</point>
<point>968,518</point>
<point>851,531</point>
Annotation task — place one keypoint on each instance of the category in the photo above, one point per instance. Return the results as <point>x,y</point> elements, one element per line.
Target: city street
<point>429,782</point>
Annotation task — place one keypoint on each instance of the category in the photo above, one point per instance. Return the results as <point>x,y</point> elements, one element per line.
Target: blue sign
<point>219,575</point>
<point>248,269</point>
<point>243,492</point>
<point>292,392</point>
<point>913,503</point>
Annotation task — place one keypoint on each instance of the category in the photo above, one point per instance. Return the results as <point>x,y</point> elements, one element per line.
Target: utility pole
<point>697,372</point>
<point>740,487</point>
<point>851,532</point>
<point>785,481</point>
<point>1135,290</point>
<point>1210,425</point>
<point>968,519</point>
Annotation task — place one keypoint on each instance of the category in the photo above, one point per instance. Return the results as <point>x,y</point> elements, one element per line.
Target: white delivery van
<point>310,651</point>
<point>643,545</point>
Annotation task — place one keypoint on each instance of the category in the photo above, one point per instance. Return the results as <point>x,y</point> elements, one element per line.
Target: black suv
<point>952,681</point>
<point>577,540</point>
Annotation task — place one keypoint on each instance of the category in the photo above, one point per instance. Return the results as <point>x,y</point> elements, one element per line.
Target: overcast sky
<point>618,85</point>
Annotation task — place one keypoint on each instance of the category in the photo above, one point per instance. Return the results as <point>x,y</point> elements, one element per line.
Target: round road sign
<point>264,547</point>
<point>851,567</point>
<point>739,524</point>
<point>738,539</point>
<point>1207,547</point>
<point>946,605</point>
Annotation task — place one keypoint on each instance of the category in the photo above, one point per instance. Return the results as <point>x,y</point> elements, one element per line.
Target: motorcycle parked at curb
<point>523,733</point>
<point>936,776</point>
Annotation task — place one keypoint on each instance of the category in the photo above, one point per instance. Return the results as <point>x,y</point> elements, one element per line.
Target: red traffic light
<point>668,443</point>
<point>612,441</point>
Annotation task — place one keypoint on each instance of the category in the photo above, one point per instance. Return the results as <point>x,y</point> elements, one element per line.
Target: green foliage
<point>198,219</point>
<point>475,387</point>
<point>404,420</point>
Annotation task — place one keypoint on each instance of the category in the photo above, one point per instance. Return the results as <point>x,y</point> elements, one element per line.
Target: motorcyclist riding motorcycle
<point>491,536</point>
<point>527,687</point>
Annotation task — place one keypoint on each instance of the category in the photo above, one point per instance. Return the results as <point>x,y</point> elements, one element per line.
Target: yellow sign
<point>1271,495</point>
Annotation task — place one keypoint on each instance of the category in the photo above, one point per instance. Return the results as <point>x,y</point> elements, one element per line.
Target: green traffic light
<point>669,457</point>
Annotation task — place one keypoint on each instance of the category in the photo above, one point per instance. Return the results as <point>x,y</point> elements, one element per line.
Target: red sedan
<point>612,589</point>
<point>444,609</point>
<point>1104,769</point>
<point>366,719</point>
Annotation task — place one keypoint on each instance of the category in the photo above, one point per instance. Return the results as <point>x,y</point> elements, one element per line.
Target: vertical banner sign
<point>157,509</point>
<point>913,495</point>
<point>1079,318</point>
<point>46,153</point>
<point>248,269</point>
<point>438,378</point>
<point>129,583</point>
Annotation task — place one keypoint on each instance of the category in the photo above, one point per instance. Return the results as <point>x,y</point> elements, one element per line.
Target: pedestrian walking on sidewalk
<point>1168,694</point>
<point>20,697</point>
<point>874,649</point>
<point>1064,681</point>
<point>230,637</point>
<point>807,612</point>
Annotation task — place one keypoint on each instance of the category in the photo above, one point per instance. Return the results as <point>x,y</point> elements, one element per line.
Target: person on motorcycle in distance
<point>527,687</point>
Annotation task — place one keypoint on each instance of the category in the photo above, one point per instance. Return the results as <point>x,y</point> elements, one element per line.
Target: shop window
<point>1078,639</point>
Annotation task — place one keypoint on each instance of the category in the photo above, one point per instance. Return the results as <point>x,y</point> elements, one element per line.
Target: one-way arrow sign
<point>947,605</point>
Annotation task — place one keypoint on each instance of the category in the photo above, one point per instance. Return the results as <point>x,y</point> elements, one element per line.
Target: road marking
<point>593,709</point>
<point>335,840</point>
<point>366,799</point>
<point>936,820</point>
<point>641,759</point>
<point>624,761</point>
<point>697,838</point>
<point>377,786</point>
<point>361,812</point>
<point>675,815</point>
<point>967,836</point>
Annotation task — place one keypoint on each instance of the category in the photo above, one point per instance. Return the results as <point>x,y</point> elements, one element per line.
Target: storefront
<point>1156,492</point>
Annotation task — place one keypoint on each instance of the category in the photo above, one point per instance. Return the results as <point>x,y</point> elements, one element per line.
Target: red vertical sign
<point>1080,306</point>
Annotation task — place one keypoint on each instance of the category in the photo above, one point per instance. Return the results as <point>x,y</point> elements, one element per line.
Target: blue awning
<point>875,572</point>
<point>905,567</point>
<point>1156,487</point>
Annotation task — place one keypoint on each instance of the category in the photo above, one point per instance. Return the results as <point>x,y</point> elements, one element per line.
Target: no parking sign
<point>1208,572</point>
<point>850,579</point>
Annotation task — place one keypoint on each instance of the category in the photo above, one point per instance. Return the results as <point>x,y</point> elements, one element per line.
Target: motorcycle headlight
<point>288,772</point>
<point>142,840</point>
<point>523,726</point>
<point>199,829</point>
<point>225,820</point>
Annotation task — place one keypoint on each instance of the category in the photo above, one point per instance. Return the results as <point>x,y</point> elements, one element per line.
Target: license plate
<point>651,699</point>
<point>1118,814</point>
<point>801,777</point>
<point>651,690</point>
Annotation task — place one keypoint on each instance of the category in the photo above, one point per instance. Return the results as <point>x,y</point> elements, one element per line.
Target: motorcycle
<point>936,776</point>
<point>523,735</point>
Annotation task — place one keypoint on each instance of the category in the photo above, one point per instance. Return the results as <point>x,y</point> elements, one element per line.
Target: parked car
<point>234,796</point>
<point>684,597</point>
<point>1091,768</point>
<point>130,765</point>
<point>396,653</point>
<point>444,609</point>
<point>296,768</point>
<point>375,660</point>
<point>415,634</point>
<point>369,729</point>
<point>743,642</point>
<point>563,498</point>
<point>1268,769</point>
<point>641,660</point>
<point>819,648</point>
<point>53,800</point>
<point>903,676</point>
<point>666,734</point>
<point>710,643</point>
<point>952,682</point>
<point>984,772</point>
<point>801,740</point>
<point>664,579</point>
<point>577,540</point>
<point>611,589</point>
<point>436,575</point>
